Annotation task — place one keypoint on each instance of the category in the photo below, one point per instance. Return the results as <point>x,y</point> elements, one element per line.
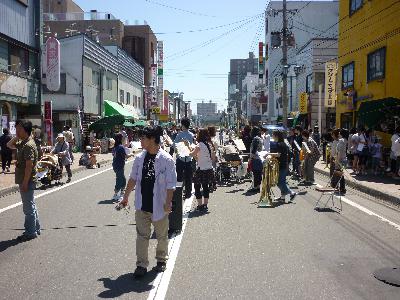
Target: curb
<point>12,189</point>
<point>367,190</point>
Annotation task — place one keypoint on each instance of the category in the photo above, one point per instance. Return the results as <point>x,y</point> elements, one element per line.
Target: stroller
<point>230,165</point>
<point>48,169</point>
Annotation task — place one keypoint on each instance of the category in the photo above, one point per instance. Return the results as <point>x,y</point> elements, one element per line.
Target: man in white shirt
<point>266,138</point>
<point>394,155</point>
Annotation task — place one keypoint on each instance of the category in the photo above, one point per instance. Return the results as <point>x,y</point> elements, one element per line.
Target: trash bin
<point>175,217</point>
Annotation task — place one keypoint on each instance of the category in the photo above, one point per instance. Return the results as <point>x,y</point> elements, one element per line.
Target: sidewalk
<point>378,186</point>
<point>7,185</point>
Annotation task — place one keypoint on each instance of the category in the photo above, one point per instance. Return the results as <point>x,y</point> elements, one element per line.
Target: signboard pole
<point>320,108</point>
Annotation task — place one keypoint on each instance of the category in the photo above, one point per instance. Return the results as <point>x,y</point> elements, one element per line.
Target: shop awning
<point>112,108</point>
<point>107,123</point>
<point>140,123</point>
<point>128,124</point>
<point>133,111</point>
<point>372,112</point>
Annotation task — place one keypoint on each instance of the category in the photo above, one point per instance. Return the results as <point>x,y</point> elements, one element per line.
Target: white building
<point>207,111</point>
<point>92,76</point>
<point>312,19</point>
<point>251,108</point>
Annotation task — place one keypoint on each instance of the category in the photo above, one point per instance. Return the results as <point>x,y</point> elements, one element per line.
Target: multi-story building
<point>237,72</point>
<point>251,108</point>
<point>93,79</point>
<point>369,74</point>
<point>207,112</point>
<point>310,74</point>
<point>306,20</point>
<point>19,62</point>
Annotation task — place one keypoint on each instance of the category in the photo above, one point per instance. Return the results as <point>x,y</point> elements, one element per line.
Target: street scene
<point>215,150</point>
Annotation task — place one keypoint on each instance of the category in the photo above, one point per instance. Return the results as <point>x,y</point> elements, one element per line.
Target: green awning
<point>372,112</point>
<point>113,109</point>
<point>128,124</point>
<point>107,123</point>
<point>140,123</point>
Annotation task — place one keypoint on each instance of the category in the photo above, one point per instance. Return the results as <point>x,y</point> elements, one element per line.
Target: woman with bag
<point>203,175</point>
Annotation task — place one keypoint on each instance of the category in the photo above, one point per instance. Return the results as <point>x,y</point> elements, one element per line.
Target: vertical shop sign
<point>330,84</point>
<point>53,79</point>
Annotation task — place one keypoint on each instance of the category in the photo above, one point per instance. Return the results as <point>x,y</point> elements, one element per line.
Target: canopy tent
<point>107,123</point>
<point>372,112</point>
<point>140,123</point>
<point>112,108</point>
<point>133,111</point>
<point>128,124</point>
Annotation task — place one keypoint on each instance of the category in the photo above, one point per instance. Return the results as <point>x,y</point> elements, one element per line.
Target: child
<point>376,153</point>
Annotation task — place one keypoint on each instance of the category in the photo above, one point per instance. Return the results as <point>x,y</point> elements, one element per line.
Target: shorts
<point>204,177</point>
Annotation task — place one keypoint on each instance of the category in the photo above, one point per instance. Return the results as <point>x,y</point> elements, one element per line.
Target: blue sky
<point>195,63</point>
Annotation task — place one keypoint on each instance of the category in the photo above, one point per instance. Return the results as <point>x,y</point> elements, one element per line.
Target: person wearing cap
<point>154,176</point>
<point>62,150</point>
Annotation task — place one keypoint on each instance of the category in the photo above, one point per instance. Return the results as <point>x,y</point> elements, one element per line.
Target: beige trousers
<point>143,231</point>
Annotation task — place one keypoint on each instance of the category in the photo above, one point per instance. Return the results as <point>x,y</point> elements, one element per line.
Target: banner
<point>53,79</point>
<point>160,74</point>
<point>330,84</point>
<point>303,103</point>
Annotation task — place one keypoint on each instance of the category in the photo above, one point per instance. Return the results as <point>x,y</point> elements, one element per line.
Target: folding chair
<point>329,193</point>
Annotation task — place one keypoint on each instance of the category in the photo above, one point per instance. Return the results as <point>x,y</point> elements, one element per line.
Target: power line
<point>180,9</point>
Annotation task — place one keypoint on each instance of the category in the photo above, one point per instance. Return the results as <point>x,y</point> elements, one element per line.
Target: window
<point>319,79</point>
<point>348,76</point>
<point>108,83</point>
<point>128,98</point>
<point>121,95</point>
<point>18,59</point>
<point>309,84</point>
<point>376,64</point>
<point>95,77</point>
<point>355,5</point>
<point>135,102</point>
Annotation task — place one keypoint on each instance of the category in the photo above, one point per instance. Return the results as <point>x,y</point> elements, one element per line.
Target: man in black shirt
<point>148,179</point>
<point>6,153</point>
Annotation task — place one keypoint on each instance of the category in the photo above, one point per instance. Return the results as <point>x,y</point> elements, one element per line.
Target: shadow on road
<point>4,245</point>
<point>126,283</point>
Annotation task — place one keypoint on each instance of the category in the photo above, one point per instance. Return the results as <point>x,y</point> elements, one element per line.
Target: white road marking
<point>366,210</point>
<point>161,282</point>
<point>56,189</point>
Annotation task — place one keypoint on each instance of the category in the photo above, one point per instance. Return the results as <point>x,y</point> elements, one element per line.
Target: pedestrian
<point>61,148</point>
<point>338,159</point>
<point>312,155</point>
<point>25,174</point>
<point>316,136</point>
<point>325,140</point>
<point>282,155</point>
<point>184,168</point>
<point>255,160</point>
<point>266,139</point>
<point>124,136</point>
<point>296,152</point>
<point>70,139</point>
<point>247,138</point>
<point>221,136</point>
<point>154,176</point>
<point>362,151</point>
<point>212,131</point>
<point>376,152</point>
<point>395,154</point>
<point>118,164</point>
<point>6,153</point>
<point>172,135</point>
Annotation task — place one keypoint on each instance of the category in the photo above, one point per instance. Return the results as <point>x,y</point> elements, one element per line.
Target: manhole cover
<point>388,275</point>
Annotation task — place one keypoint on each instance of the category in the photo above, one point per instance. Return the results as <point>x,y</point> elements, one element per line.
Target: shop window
<point>376,64</point>
<point>309,83</point>
<point>18,59</point>
<point>128,98</point>
<point>109,83</point>
<point>319,79</point>
<point>121,96</point>
<point>348,76</point>
<point>95,77</point>
<point>355,5</point>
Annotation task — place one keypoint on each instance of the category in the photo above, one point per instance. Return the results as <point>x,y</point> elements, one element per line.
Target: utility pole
<point>284,63</point>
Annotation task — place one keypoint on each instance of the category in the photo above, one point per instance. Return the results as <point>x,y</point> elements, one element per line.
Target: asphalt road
<point>239,251</point>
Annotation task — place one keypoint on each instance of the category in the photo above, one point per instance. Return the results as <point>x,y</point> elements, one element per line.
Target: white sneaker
<point>115,197</point>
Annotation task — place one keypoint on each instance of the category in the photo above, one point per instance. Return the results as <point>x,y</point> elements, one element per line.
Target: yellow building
<point>369,64</point>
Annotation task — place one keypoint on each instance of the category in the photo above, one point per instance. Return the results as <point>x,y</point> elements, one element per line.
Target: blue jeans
<point>282,185</point>
<point>296,163</point>
<point>120,181</point>
<point>32,226</point>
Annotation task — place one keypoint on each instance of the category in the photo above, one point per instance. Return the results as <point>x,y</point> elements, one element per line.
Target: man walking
<point>6,153</point>
<point>70,139</point>
<point>184,169</point>
<point>25,172</point>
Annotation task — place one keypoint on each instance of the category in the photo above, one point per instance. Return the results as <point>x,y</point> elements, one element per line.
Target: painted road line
<point>56,189</point>
<point>366,210</point>
<point>161,282</point>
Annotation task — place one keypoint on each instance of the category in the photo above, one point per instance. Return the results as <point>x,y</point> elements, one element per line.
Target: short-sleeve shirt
<point>283,158</point>
<point>26,150</point>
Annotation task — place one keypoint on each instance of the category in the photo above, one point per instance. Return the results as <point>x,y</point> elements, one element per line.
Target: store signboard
<point>303,103</point>
<point>53,76</point>
<point>153,69</point>
<point>13,130</point>
<point>160,73</point>
<point>330,84</point>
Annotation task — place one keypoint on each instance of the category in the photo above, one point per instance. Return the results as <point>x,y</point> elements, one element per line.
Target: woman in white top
<point>203,175</point>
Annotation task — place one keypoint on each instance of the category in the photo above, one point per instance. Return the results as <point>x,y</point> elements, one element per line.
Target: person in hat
<point>62,150</point>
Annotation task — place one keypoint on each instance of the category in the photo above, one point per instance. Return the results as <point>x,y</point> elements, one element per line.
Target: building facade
<point>19,62</point>
<point>306,21</point>
<point>90,77</point>
<point>368,74</point>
